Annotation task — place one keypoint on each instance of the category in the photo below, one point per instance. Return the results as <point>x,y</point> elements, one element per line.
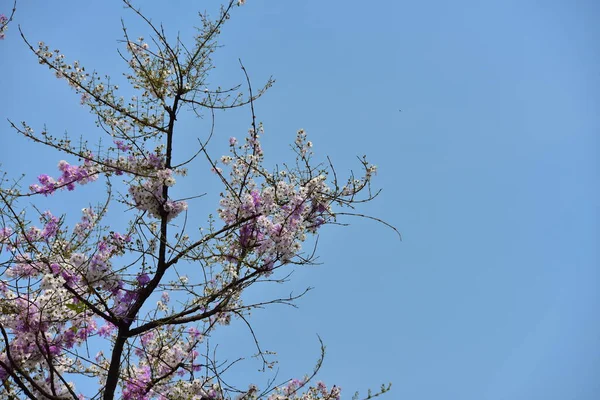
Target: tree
<point>62,288</point>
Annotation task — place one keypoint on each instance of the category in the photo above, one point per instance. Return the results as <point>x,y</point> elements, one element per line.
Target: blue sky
<point>483,119</point>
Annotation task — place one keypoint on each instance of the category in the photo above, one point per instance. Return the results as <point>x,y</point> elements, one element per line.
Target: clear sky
<point>483,117</point>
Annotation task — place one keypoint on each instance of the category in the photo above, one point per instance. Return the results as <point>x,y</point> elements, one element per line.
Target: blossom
<point>3,25</point>
<point>71,174</point>
<point>51,225</point>
<point>87,222</point>
<point>148,196</point>
<point>5,234</point>
<point>122,146</point>
<point>281,213</point>
<point>142,279</point>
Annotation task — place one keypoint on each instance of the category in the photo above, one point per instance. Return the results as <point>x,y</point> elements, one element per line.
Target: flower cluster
<point>277,210</point>
<point>5,234</point>
<point>279,217</point>
<point>122,146</point>
<point>148,195</point>
<point>31,236</point>
<point>164,352</point>
<point>47,320</point>
<point>86,224</point>
<point>43,322</point>
<point>3,25</point>
<point>71,174</point>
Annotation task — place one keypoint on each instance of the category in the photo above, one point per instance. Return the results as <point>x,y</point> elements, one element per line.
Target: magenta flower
<point>143,279</point>
<point>122,146</point>
<point>71,174</point>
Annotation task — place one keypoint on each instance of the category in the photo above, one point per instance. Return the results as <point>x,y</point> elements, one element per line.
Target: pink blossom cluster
<point>32,235</point>
<point>122,146</point>
<point>279,217</point>
<point>43,323</point>
<point>79,271</point>
<point>5,234</point>
<point>47,319</point>
<point>3,25</point>
<point>71,174</point>
<point>96,270</point>
<point>151,177</point>
<point>147,189</point>
<point>164,352</point>
<point>88,220</point>
<point>280,211</point>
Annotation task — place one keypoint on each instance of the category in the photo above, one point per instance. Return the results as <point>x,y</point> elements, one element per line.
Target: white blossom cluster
<point>148,196</point>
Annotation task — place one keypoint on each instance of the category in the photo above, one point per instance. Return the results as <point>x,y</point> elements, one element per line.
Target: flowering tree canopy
<point>63,287</point>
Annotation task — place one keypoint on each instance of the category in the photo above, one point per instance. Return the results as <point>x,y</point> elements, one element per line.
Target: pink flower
<point>143,279</point>
<point>122,146</point>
